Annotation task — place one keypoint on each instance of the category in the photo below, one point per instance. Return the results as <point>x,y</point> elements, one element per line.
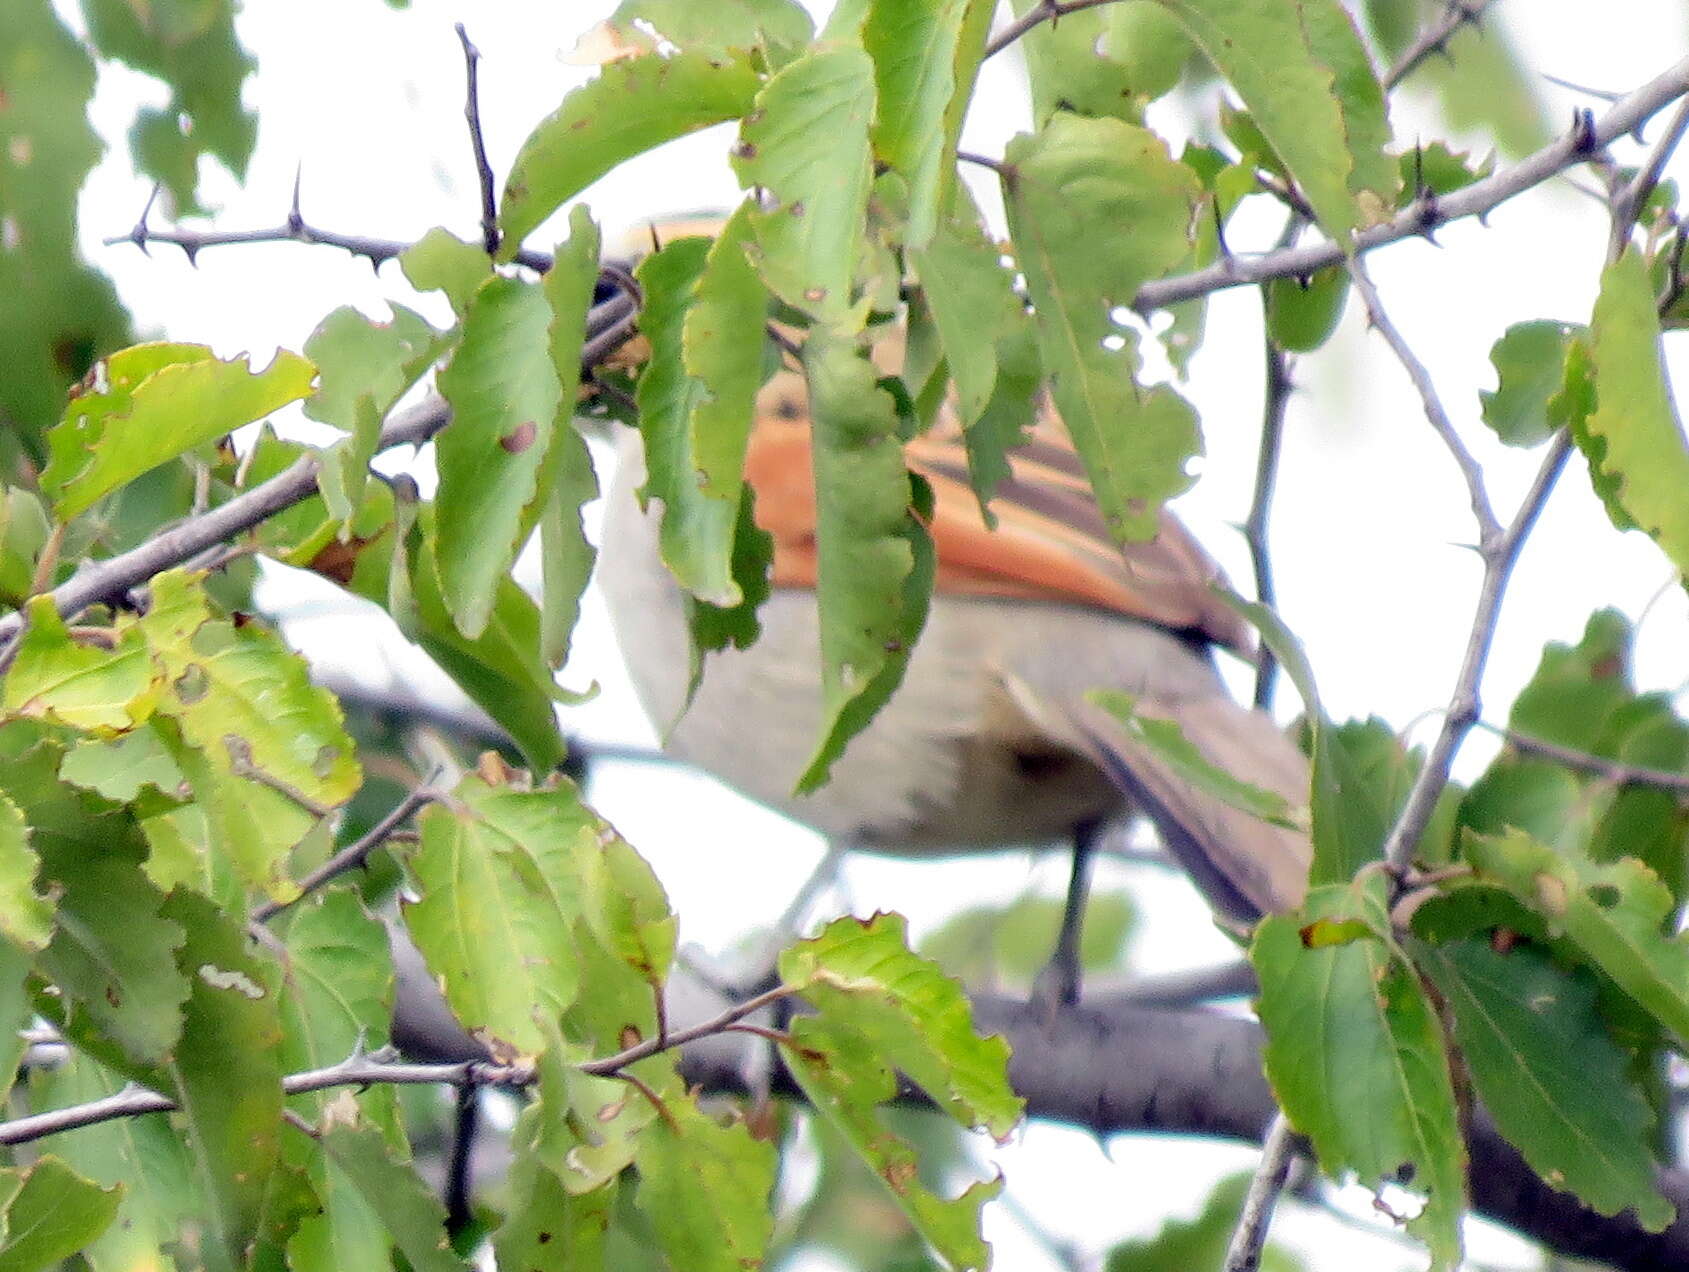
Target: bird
<point>992,739</point>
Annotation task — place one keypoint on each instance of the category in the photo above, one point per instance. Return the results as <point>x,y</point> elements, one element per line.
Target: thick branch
<point>1586,138</point>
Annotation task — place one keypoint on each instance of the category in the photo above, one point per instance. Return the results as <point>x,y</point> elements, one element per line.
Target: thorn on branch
<point>1584,140</point>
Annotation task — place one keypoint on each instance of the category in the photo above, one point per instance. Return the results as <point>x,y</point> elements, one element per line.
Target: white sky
<point>1368,523</point>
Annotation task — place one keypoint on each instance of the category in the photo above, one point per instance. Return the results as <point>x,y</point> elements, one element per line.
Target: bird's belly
<point>947,766</point>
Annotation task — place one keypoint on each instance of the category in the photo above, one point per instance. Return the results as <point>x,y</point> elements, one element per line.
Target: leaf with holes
<point>1614,915</point>
<point>1069,188</point>
<point>1638,458</point>
<point>806,145</point>
<point>1355,1054</point>
<point>152,403</point>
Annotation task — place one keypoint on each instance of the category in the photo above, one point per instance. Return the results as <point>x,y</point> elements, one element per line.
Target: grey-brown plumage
<point>990,740</point>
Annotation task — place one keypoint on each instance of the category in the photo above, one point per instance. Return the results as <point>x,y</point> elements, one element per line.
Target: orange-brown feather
<point>1050,543</point>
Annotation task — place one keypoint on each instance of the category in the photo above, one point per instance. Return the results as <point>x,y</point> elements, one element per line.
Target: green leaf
<point>915,50</point>
<point>390,1186</point>
<point>24,527</point>
<point>547,1226</point>
<point>1485,88</point>
<point>1071,67</point>
<point>191,46</point>
<point>1346,834</point>
<point>1150,44</point>
<point>706,1187</point>
<point>566,556</point>
<point>732,25</point>
<point>806,145</point>
<point>505,398</point>
<point>26,917</point>
<point>1615,915</point>
<point>1559,1088</point>
<point>440,261</point>
<point>271,740</point>
<point>697,399</point>
<point>1355,1054</point>
<point>881,1008</point>
<point>54,678</point>
<point>363,368</point>
<point>1302,313</point>
<point>59,314</point>
<point>505,875</point>
<point>54,1214</point>
<point>1166,739</point>
<point>1634,441</point>
<point>502,669</point>
<point>142,1154</point>
<point>335,988</point>
<point>861,976</point>
<point>112,955</point>
<point>1314,96</point>
<point>152,403</point>
<point>875,560</point>
<point>1530,367</point>
<point>635,104</point>
<point>226,1073</point>
<point>1069,189</point>
<point>973,306</point>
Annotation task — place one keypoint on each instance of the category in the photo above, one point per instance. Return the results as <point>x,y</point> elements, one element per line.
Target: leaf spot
<point>520,438</point>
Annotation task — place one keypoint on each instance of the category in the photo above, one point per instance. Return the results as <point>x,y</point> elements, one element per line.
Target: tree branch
<point>1488,527</point>
<point>1250,1236</point>
<point>1599,765</point>
<point>1434,38</point>
<point>353,854</point>
<point>1587,136</point>
<point>1276,402</point>
<point>1047,11</point>
<point>1500,555</point>
<point>115,576</point>
<point>477,143</point>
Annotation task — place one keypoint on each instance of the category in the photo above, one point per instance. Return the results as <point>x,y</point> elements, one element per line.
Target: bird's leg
<point>1057,985</point>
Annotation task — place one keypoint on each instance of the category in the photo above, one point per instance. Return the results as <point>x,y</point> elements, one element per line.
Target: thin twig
<point>1628,202</point>
<point>1249,1238</point>
<point>1578,144</point>
<point>1462,713</point>
<point>378,251</point>
<point>611,1066</point>
<point>1434,38</point>
<point>1470,471</point>
<point>360,1071</point>
<point>1048,11</point>
<point>353,854</point>
<point>1615,771</point>
<point>1274,406</point>
<point>477,143</point>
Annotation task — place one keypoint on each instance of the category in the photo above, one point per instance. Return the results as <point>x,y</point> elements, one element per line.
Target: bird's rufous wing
<point>1050,542</point>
